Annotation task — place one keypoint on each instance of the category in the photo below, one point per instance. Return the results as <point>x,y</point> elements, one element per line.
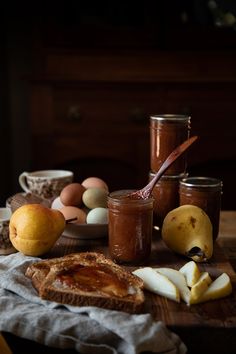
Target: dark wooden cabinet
<point>90,108</point>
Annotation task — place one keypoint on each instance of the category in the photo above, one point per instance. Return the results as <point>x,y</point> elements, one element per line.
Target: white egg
<point>57,204</point>
<point>97,216</point>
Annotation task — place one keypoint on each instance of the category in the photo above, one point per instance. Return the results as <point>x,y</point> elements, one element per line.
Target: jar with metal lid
<point>130,228</point>
<point>167,131</point>
<point>166,196</point>
<point>204,192</point>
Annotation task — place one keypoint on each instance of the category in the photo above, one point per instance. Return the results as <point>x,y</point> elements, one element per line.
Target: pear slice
<point>158,283</point>
<point>200,287</point>
<point>191,272</point>
<point>220,287</point>
<point>179,280</point>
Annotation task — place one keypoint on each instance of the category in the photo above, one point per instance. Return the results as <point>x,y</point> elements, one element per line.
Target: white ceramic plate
<point>86,231</point>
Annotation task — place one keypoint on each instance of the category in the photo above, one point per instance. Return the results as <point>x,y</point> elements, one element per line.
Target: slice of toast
<point>39,270</point>
<point>87,279</point>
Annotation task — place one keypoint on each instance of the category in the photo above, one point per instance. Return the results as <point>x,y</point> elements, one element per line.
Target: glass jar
<point>166,196</point>
<point>130,228</point>
<point>168,131</point>
<point>204,192</point>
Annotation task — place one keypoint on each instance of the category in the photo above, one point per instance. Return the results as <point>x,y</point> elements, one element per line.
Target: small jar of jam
<point>168,131</point>
<point>204,192</point>
<point>130,228</point>
<point>166,196</point>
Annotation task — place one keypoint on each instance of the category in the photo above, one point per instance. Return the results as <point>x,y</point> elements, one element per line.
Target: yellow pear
<point>188,230</point>
<point>34,228</point>
<point>4,348</point>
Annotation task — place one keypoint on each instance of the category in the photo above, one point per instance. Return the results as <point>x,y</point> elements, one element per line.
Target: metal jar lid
<point>178,177</point>
<point>201,182</point>
<point>171,118</point>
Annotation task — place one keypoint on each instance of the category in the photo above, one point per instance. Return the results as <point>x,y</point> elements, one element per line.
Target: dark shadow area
<point>117,174</point>
<point>225,170</point>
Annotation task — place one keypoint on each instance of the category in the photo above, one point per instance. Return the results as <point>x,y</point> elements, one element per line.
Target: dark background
<point>29,31</point>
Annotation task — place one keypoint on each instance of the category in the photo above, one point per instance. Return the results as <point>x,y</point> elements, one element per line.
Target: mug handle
<point>22,181</point>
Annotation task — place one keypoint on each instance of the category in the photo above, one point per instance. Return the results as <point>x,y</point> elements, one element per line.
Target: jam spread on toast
<point>99,278</point>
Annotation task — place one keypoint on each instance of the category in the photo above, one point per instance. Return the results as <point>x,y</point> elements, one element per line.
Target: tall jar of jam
<point>168,131</point>
<point>165,195</point>
<point>204,192</point>
<point>130,228</point>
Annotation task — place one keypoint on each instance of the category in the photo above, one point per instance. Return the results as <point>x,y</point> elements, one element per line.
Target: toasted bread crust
<point>70,298</point>
<point>38,271</point>
<point>44,275</point>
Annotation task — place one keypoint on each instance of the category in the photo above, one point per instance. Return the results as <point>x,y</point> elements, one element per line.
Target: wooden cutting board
<point>218,313</point>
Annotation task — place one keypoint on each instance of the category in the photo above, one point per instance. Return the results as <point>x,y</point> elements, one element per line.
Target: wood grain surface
<point>205,328</point>
<point>213,314</point>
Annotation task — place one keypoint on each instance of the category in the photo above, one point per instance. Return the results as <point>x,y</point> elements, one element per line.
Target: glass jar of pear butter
<point>204,192</point>
<point>167,131</point>
<point>130,228</point>
<point>166,196</point>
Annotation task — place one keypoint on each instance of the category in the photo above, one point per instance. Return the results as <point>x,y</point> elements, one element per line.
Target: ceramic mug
<point>6,246</point>
<point>47,184</point>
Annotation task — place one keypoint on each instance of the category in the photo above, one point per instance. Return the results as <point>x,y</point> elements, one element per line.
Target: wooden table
<point>205,328</point>
<point>227,235</point>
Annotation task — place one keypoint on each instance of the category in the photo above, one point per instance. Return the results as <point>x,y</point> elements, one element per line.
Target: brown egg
<point>72,194</point>
<point>94,182</point>
<point>71,212</point>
